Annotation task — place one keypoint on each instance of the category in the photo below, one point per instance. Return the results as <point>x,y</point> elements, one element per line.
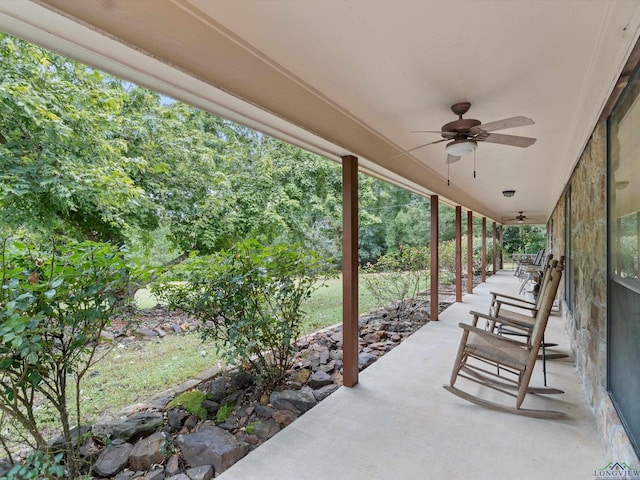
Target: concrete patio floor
<point>399,423</point>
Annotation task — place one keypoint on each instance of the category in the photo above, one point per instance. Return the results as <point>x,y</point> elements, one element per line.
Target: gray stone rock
<point>319,379</point>
<point>132,428</point>
<point>322,393</point>
<point>176,418</point>
<point>366,359</point>
<point>217,389</point>
<point>146,332</point>
<point>203,472</point>
<point>296,401</point>
<point>112,459</point>
<point>211,446</point>
<point>155,474</point>
<point>191,421</point>
<point>148,451</point>
<point>210,406</point>
<point>324,356</point>
<point>161,333</point>
<point>125,475</point>
<point>240,379</point>
<point>172,467</point>
<point>180,476</point>
<point>329,367</point>
<point>285,417</point>
<point>263,411</point>
<point>266,429</point>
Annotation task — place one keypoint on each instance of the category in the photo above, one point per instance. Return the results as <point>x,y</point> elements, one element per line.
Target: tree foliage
<point>55,301</point>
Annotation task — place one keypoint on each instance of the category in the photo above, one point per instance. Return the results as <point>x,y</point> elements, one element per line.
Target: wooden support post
<point>637,243</point>
<point>350,270</point>
<point>501,248</point>
<point>458,253</point>
<point>495,248</point>
<point>434,281</point>
<point>483,258</point>
<point>469,251</point>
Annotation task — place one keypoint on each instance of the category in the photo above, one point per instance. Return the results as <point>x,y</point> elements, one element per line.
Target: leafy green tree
<point>55,303</point>
<point>524,238</point>
<point>62,167</point>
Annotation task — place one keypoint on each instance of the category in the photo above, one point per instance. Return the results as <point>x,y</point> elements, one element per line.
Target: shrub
<point>248,299</point>
<point>397,278</point>
<point>54,303</point>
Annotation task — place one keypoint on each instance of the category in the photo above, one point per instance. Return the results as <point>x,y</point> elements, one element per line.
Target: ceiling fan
<point>520,218</point>
<point>465,133</point>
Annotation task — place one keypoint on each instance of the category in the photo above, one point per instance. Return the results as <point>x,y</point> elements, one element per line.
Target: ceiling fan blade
<point>435,131</point>
<point>511,140</point>
<point>419,146</point>
<point>502,124</point>
<point>452,159</point>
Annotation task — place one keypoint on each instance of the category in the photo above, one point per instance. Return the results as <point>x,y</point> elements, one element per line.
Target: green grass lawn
<point>132,372</point>
<point>324,307</point>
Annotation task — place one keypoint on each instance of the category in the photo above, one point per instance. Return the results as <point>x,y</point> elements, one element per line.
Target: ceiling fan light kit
<point>458,148</point>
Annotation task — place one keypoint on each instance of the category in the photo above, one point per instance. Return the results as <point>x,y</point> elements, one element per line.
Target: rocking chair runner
<point>479,348</point>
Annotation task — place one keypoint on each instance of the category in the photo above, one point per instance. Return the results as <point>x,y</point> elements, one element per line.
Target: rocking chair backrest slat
<point>546,302</point>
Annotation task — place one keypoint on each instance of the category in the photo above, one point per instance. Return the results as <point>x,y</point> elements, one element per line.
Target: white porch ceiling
<point>356,77</point>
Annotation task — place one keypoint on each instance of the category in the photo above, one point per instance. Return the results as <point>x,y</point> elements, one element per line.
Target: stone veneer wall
<point>586,320</point>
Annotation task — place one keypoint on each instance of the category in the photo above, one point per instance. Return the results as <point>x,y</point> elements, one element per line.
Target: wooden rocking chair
<point>521,324</point>
<point>510,361</point>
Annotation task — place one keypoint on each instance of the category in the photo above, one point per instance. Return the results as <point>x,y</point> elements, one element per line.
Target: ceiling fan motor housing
<point>461,126</point>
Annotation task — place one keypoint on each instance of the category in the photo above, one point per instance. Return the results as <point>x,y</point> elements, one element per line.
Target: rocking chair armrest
<point>533,310</point>
<point>486,316</point>
<point>511,297</point>
<point>483,333</point>
<point>510,322</point>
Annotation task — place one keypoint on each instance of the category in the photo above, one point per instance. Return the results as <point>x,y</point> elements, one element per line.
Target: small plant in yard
<point>249,300</point>
<point>224,412</point>
<point>54,303</point>
<point>397,278</point>
<point>252,427</point>
<point>38,465</point>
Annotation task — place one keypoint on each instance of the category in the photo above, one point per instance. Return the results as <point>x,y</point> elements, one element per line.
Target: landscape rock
<point>146,332</point>
<point>210,406</point>
<point>131,428</point>
<point>211,446</point>
<point>113,459</point>
<point>148,451</point>
<point>217,389</point>
<point>301,376</point>
<point>266,429</point>
<point>157,473</point>
<point>172,467</point>
<point>296,401</point>
<point>180,476</point>
<point>240,379</point>
<point>366,359</point>
<point>319,379</point>
<point>284,417</point>
<point>263,411</point>
<point>322,393</point>
<point>203,472</point>
<point>176,418</point>
<point>124,475</point>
